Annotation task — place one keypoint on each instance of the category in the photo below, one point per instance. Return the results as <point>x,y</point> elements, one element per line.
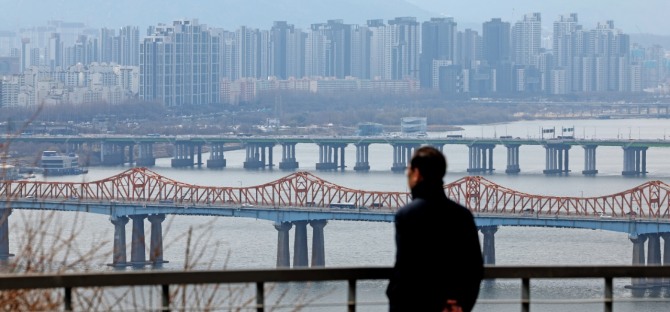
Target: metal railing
<point>166,279</point>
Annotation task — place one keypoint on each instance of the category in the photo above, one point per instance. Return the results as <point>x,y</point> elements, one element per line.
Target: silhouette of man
<point>439,264</point>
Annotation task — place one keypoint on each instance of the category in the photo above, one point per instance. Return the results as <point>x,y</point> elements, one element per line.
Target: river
<point>248,243</point>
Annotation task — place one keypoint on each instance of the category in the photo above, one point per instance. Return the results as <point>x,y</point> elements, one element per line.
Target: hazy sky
<point>631,16</point>
<point>640,16</point>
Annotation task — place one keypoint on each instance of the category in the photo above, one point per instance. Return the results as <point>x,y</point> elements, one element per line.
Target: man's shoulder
<point>416,203</point>
<point>459,208</point>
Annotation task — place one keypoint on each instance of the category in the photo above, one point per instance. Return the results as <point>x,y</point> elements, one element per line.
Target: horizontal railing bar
<point>550,272</point>
<point>111,279</point>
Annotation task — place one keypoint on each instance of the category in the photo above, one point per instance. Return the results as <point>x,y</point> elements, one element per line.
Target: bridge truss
<point>303,189</point>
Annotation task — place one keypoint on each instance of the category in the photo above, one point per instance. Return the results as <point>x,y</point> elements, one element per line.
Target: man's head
<point>427,164</point>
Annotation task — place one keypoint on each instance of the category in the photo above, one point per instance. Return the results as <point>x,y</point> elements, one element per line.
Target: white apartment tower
<point>179,64</point>
<point>380,50</point>
<point>526,40</point>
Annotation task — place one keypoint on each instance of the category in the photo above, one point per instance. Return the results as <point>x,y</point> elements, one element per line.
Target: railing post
<point>165,297</point>
<point>68,298</point>
<point>260,297</point>
<point>525,294</point>
<point>351,300</point>
<point>608,294</point>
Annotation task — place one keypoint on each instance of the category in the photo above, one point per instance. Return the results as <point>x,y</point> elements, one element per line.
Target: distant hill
<point>217,13</point>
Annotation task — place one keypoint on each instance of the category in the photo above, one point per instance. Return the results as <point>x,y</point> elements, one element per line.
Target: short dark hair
<point>430,162</point>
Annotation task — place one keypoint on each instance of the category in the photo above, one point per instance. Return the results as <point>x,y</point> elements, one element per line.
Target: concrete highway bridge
<point>302,199</point>
<point>188,151</point>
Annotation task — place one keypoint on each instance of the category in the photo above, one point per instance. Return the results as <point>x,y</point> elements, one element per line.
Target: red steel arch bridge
<point>303,198</point>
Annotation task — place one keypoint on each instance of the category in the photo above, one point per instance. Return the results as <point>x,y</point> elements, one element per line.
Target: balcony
<point>166,282</point>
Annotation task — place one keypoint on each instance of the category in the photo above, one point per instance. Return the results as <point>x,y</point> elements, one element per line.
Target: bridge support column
<point>362,163</point>
<point>137,245</point>
<point>112,154</point>
<point>256,156</point>
<point>638,259</point>
<point>288,160</point>
<point>131,154</point>
<point>145,155</point>
<point>402,154</point>
<point>489,251</point>
<point>654,256</point>
<point>300,244</point>
<point>666,255</point>
<point>4,233</point>
<point>318,244</point>
<point>590,160</point>
<point>481,158</point>
<point>183,155</point>
<point>512,159</point>
<point>156,248</point>
<point>557,159</point>
<point>634,161</point>
<point>283,251</point>
<point>199,155</point>
<point>328,156</point>
<point>119,252</point>
<point>216,157</point>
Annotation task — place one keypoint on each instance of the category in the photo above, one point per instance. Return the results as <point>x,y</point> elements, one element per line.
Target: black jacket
<point>438,255</point>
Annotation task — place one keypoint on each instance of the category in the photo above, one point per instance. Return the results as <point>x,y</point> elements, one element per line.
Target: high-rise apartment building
<point>360,52</point>
<point>526,40</point>
<point>129,46</point>
<point>179,64</point>
<point>496,42</point>
<point>405,48</point>
<point>286,51</point>
<point>380,50</point>
<point>438,44</point>
<point>565,49</point>
<point>469,48</point>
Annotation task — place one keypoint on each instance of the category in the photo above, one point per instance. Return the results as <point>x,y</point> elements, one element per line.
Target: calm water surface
<point>247,243</point>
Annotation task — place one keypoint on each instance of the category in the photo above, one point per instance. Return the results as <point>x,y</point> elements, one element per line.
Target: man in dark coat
<point>439,264</point>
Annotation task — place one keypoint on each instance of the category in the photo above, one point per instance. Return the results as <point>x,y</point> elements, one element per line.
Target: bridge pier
<point>318,244</point>
<point>556,163</point>
<point>288,160</point>
<point>184,155</point>
<point>666,255</point>
<point>216,157</point>
<point>119,252</point>
<point>328,158</point>
<point>283,251</point>
<point>489,251</point>
<point>402,154</point>
<point>112,154</point>
<point>512,158</point>
<point>638,259</point>
<point>300,244</point>
<point>145,155</point>
<point>634,161</point>
<point>156,248</point>
<point>590,160</point>
<point>4,233</point>
<point>481,158</point>
<point>362,163</point>
<point>654,257</point>
<point>256,153</point>
<point>137,244</point>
